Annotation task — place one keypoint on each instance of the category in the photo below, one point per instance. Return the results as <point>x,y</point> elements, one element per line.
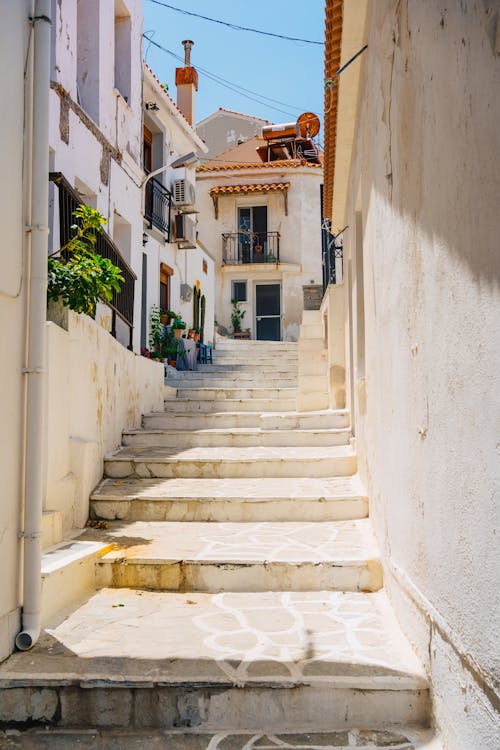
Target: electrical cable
<point>235,26</point>
<point>236,88</point>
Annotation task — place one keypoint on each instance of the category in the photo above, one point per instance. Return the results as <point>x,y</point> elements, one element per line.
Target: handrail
<point>250,247</point>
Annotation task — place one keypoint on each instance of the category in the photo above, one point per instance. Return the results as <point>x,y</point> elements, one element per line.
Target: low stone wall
<point>96,388</point>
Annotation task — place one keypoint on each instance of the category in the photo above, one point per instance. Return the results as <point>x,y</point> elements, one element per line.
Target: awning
<point>267,187</point>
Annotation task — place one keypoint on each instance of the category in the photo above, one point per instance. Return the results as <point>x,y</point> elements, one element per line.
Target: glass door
<point>268,312</point>
<point>252,234</point>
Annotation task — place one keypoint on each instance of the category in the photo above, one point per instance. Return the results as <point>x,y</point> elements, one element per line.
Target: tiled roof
<point>333,44</point>
<point>282,164</point>
<point>249,188</point>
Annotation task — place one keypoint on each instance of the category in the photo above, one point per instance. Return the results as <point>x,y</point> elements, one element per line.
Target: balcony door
<point>252,233</point>
<point>268,312</point>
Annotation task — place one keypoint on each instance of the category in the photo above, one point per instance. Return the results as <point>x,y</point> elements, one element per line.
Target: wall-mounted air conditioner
<point>183,193</point>
<point>185,231</point>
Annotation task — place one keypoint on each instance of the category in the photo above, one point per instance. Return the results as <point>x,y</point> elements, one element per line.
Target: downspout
<point>35,370</point>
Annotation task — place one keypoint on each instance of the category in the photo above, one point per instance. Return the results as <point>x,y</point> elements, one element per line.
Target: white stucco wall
<point>300,239</point>
<point>422,208</point>
<point>96,389</point>
<point>13,16</point>
<point>80,152</point>
<point>173,138</point>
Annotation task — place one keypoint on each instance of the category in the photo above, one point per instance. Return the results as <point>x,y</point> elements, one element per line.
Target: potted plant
<point>196,333</point>
<point>178,327</point>
<point>167,316</point>
<point>237,315</point>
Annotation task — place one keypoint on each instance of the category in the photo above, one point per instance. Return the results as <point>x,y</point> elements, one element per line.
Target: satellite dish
<point>309,125</point>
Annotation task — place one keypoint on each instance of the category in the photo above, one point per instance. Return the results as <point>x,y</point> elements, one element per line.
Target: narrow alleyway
<point>242,603</point>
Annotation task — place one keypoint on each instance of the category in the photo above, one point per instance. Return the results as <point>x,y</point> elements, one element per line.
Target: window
<point>165,273</point>
<point>87,57</point>
<point>239,291</point>
<point>123,52</point>
<point>253,219</point>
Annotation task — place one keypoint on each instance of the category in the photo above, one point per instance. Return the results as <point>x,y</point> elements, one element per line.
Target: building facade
<point>411,175</point>
<point>226,129</point>
<point>260,220</point>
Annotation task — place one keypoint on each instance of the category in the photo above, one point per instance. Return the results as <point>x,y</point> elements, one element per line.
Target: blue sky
<point>290,72</point>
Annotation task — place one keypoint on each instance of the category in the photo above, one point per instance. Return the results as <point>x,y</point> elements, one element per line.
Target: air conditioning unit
<point>185,231</point>
<point>184,194</point>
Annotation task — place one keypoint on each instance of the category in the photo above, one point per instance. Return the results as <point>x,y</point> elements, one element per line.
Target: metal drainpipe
<point>37,306</point>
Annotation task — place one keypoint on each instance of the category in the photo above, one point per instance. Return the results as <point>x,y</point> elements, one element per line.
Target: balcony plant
<point>155,330</point>
<point>77,275</point>
<point>167,316</point>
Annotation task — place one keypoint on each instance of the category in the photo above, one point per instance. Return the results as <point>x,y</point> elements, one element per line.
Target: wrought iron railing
<point>251,247</point>
<point>122,304</point>
<point>332,258</point>
<point>158,206</point>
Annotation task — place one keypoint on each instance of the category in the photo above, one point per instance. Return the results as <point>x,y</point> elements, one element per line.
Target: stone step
<point>228,383</point>
<point>249,368</point>
<point>302,499</point>
<point>237,437</point>
<point>68,573</point>
<point>279,362</point>
<point>232,373</point>
<point>236,394</point>
<point>177,419</point>
<point>398,738</point>
<point>192,405</point>
<point>243,344</point>
<point>230,462</point>
<point>263,556</point>
<point>265,661</point>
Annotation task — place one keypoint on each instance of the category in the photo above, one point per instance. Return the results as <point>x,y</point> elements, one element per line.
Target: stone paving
<point>292,638</point>
<point>53,739</point>
<point>236,542</point>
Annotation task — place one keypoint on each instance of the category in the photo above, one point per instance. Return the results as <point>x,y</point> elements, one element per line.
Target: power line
<point>236,26</point>
<point>236,88</point>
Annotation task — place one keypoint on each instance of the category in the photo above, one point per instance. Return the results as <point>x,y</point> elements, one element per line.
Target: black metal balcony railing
<point>332,258</point>
<point>157,206</point>
<point>251,247</point>
<point>122,304</point>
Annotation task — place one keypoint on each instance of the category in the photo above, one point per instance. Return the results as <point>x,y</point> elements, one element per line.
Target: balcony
<point>157,206</point>
<point>122,304</point>
<point>250,247</point>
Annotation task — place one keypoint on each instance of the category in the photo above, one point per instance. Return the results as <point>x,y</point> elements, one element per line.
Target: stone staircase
<point>239,598</point>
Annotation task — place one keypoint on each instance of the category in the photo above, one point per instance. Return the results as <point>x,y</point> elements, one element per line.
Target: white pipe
<point>37,309</point>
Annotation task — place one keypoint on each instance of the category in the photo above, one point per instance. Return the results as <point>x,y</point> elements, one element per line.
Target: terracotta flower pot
<point>178,332</point>
<point>196,336</point>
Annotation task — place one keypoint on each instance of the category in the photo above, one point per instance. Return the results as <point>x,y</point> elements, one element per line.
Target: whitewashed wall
<point>96,389</point>
<point>423,213</point>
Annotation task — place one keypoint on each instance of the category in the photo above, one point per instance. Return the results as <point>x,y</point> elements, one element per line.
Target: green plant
<point>237,315</point>
<point>178,324</point>
<point>155,328</point>
<point>171,314</point>
<point>203,303</point>
<point>77,275</point>
<point>196,307</point>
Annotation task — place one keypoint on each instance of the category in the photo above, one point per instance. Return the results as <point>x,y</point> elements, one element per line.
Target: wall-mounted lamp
<point>152,107</point>
<point>145,238</point>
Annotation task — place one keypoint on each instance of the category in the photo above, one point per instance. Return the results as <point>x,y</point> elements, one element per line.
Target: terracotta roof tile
<point>249,188</point>
<point>282,164</point>
<point>333,44</point>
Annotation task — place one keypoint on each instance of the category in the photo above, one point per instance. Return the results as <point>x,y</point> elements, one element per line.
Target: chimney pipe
<point>186,80</point>
<point>187,44</point>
